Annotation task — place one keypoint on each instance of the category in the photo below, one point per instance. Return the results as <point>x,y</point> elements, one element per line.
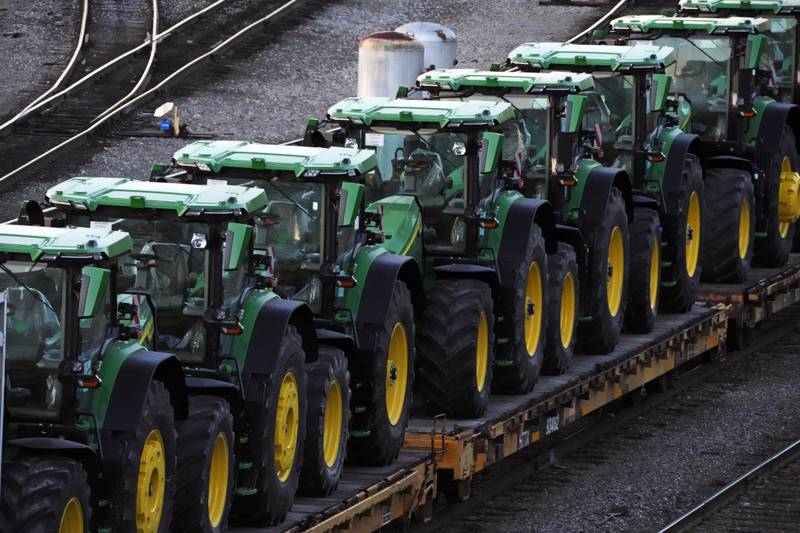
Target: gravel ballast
<point>646,473</point>
<point>303,70</point>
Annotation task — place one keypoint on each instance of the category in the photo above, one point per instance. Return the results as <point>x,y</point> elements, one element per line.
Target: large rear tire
<point>728,239</point>
<point>205,478</point>
<point>645,280</point>
<point>327,422</point>
<point>456,348</point>
<point>275,407</point>
<point>606,296</point>
<point>145,499</point>
<point>383,381</point>
<point>682,247</point>
<point>519,360</point>
<point>562,314</point>
<point>773,250</point>
<point>45,495</point>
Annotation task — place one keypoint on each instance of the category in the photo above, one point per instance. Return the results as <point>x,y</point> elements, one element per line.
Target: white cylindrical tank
<point>441,45</point>
<point>386,61</point>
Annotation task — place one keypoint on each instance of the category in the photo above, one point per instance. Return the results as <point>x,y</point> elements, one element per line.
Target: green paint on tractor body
<point>740,7</point>
<point>577,57</point>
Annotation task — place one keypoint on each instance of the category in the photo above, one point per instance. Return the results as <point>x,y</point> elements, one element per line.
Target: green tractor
<point>328,252</point>
<point>631,129</point>
<point>482,247</point>
<point>214,308</point>
<point>748,140</point>
<point>89,409</point>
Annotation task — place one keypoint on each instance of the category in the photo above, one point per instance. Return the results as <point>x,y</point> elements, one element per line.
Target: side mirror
<point>94,284</point>
<point>491,150</point>
<point>752,55</point>
<point>659,90</point>
<point>574,108</point>
<point>237,238</point>
<point>351,195</point>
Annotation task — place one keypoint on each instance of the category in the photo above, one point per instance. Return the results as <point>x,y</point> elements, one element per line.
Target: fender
<point>131,385</point>
<point>649,202</point>
<point>82,453</point>
<point>270,327</point>
<point>338,340</point>
<point>595,195</point>
<point>682,145</point>
<point>730,161</point>
<point>573,236</point>
<point>521,216</point>
<point>383,272</point>
<point>771,128</point>
<point>216,387</point>
<point>465,270</point>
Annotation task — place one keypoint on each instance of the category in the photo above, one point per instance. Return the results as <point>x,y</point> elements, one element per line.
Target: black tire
<point>645,278</point>
<point>449,378</point>
<point>205,435</point>
<point>726,190</point>
<point>156,420</point>
<point>374,438</point>
<point>38,490</point>
<point>599,330</point>
<point>519,360</point>
<point>773,250</point>
<point>562,311</point>
<point>328,379</point>
<point>270,497</point>
<point>681,275</point>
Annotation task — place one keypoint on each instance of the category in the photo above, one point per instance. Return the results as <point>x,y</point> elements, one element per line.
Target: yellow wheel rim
<point>72,518</point>
<point>567,310</point>
<point>692,234</point>
<point>482,352</point>
<point>396,373</point>
<point>218,480</point>
<point>655,269</point>
<point>533,308</point>
<point>287,426</point>
<point>151,484</point>
<point>332,426</point>
<point>616,271</point>
<point>783,229</point>
<point>744,228</point>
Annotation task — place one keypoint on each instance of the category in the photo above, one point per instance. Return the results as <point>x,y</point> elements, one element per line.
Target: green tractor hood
<point>740,6</point>
<point>506,81</point>
<point>716,26</point>
<point>207,200</point>
<point>439,114</point>
<point>590,57</point>
<point>42,243</point>
<point>215,156</point>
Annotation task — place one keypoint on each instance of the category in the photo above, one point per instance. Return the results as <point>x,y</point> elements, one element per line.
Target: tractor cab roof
<point>741,7</point>
<point>591,57</point>
<point>141,197</point>
<point>409,114</point>
<point>41,243</point>
<point>465,80</point>
<point>683,25</point>
<point>216,156</point>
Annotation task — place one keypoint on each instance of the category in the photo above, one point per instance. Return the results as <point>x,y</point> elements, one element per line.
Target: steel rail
<point>602,20</point>
<point>165,83</point>
<point>733,489</point>
<point>120,58</point>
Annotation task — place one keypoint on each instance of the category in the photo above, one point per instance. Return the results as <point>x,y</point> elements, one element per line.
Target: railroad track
<point>125,72</point>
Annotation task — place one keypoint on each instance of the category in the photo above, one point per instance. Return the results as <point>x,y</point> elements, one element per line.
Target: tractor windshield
<point>702,73</point>
<point>34,349</point>
<point>779,61</point>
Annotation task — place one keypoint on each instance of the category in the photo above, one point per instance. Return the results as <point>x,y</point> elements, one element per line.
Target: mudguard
<point>215,387</point>
<point>521,216</point>
<point>135,375</point>
<point>730,161</point>
<point>595,195</point>
<point>464,270</point>
<point>338,340</point>
<point>383,272</point>
<point>82,453</point>
<point>771,127</point>
<point>270,327</point>
<point>683,144</point>
<point>646,201</point>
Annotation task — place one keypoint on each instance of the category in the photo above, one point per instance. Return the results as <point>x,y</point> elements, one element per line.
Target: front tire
<point>562,310</point>
<point>456,348</point>
<point>645,282</point>
<point>728,241</point>
<point>205,467</point>
<point>45,495</point>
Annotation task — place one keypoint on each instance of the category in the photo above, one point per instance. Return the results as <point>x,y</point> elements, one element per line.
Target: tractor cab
<point>190,253</point>
<point>313,224</point>
<point>60,315</point>
<point>780,60</point>
<point>624,107</point>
